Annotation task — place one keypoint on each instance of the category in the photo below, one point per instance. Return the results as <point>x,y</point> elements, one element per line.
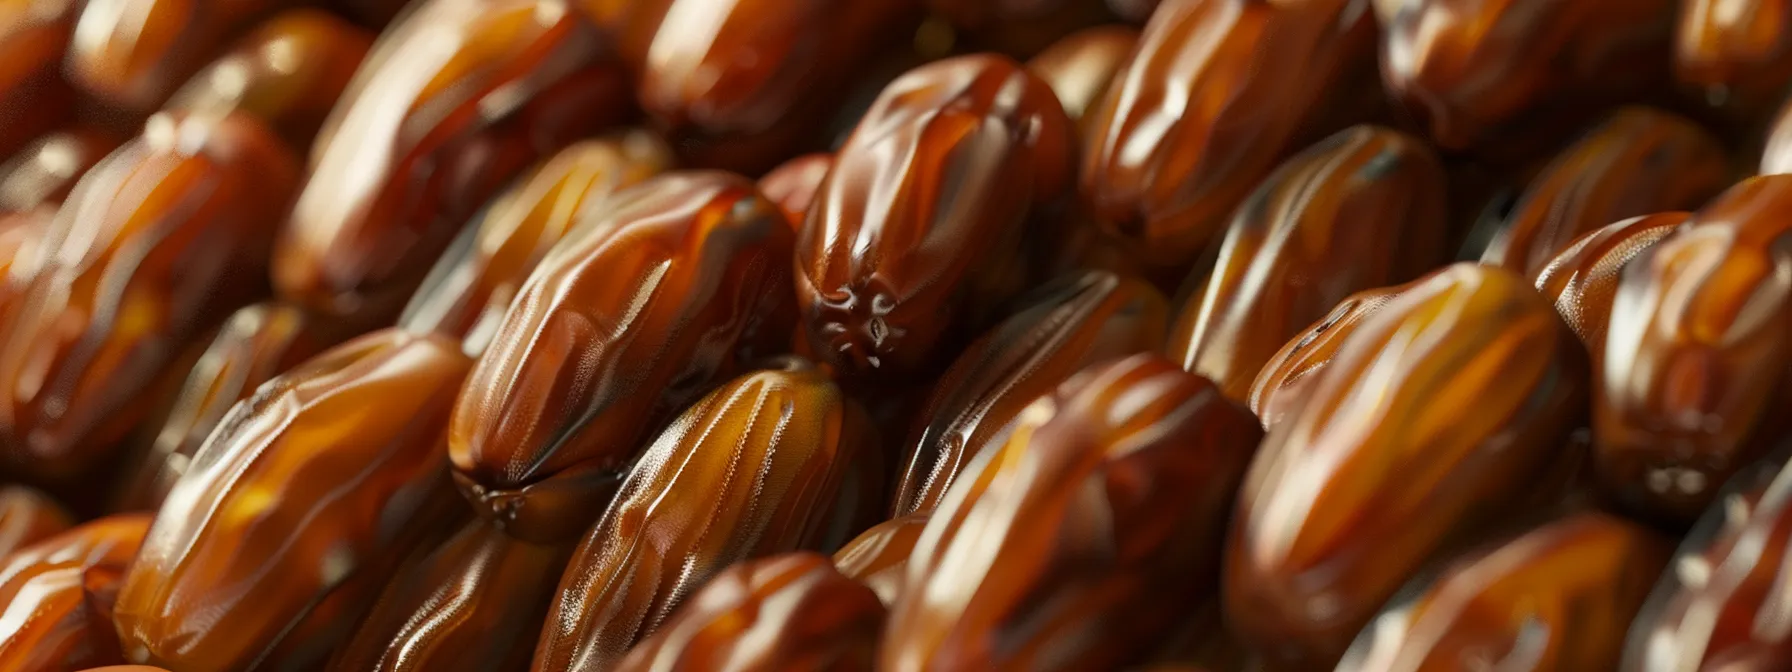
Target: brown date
<point>1079,320</point>
<point>454,101</point>
<point>1736,53</point>
<point>1020,27</point>
<point>298,509</point>
<point>1435,415</point>
<point>920,227</point>
<point>1639,161</point>
<point>1190,124</point>
<point>473,604</point>
<point>656,296</point>
<point>794,184</point>
<point>43,172</point>
<point>34,98</point>
<point>471,286</point>
<point>1776,157</point>
<point>1282,385</point>
<point>1696,355</point>
<point>155,246</point>
<point>1583,278</point>
<point>129,55</point>
<point>1079,67</point>
<point>58,595</point>
<point>751,470</point>
<point>1361,209</point>
<point>1136,11</point>
<point>1080,542</point>
<point>789,612</point>
<point>879,557</point>
<point>28,516</point>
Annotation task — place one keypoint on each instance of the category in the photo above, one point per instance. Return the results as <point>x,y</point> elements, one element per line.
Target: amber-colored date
<point>43,172</point>
<point>1080,67</point>
<point>289,72</point>
<point>790,612</point>
<point>1361,209</point>
<point>471,286</point>
<point>1736,53</point>
<point>58,596</point>
<point>920,226</point>
<point>297,510</point>
<point>753,469</point>
<point>879,557</point>
<point>794,184</point>
<point>1284,381</point>
<point>1082,319</point>
<point>1583,278</point>
<point>1640,161</point>
<point>453,102</point>
<point>1082,540</point>
<point>27,516</point>
<point>657,295</point>
<point>34,98</point>
<point>1776,157</point>
<point>1436,414</point>
<point>130,56</point>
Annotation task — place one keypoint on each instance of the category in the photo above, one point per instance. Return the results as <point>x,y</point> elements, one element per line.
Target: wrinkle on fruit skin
<point>1583,278</point>
<point>1282,384</point>
<point>59,595</point>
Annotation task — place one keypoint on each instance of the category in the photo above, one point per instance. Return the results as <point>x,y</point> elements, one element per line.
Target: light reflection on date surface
<point>879,557</point>
<point>129,55</point>
<point>1284,381</point>
<point>1736,54</point>
<point>1080,67</point>
<point>1583,278</point>
<point>59,593</point>
<point>41,174</point>
<point>794,184</point>
<point>34,97</point>
<point>28,516</point>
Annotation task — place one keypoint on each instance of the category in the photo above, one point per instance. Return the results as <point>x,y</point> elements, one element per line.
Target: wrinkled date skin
<point>1190,125</point>
<point>790,612</point>
<point>297,510</point>
<point>1640,161</point>
<point>454,101</point>
<point>34,98</point>
<point>1080,66</point>
<point>59,594</point>
<point>879,557</point>
<point>1282,385</point>
<point>289,72</point>
<point>1079,543</point>
<point>1468,71</point>
<point>43,172</point>
<point>1583,278</point>
<point>473,604</point>
<point>1067,325</point>
<point>28,516</point>
<point>750,470</point>
<point>471,286</point>
<point>658,295</point>
<point>1361,209</point>
<point>1696,354</point>
<point>919,227</point>
<point>1435,415</point>
<point>1557,598</point>
<point>130,55</point>
<point>1736,54</point>
<point>155,246</point>
<point>794,184</point>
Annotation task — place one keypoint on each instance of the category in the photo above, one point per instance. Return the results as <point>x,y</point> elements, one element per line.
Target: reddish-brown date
<point>453,102</point>
<point>794,184</point>
<point>1080,542</point>
<point>1735,53</point>
<point>1696,355</point>
<point>34,98</point>
<point>651,299</point>
<point>751,470</point>
<point>1081,319</point>
<point>921,226</point>
<point>298,509</point>
<point>473,604</point>
<point>1019,27</point>
<point>1639,161</point>
<point>289,72</point>
<point>41,174</point>
<point>1435,415</point>
<point>1191,124</point>
<point>471,286</point>
<point>1080,66</point>
<point>129,55</point>
<point>789,612</point>
<point>1361,209</point>
<point>28,516</point>
<point>879,557</point>
<point>1583,278</point>
<point>58,596</point>
<point>1282,385</point>
<point>155,246</point>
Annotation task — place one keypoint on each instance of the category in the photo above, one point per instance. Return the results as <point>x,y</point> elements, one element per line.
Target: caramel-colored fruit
<point>34,98</point>
<point>1080,67</point>
<point>794,184</point>
<point>879,557</point>
<point>289,72</point>
<point>1737,53</point>
<point>129,55</point>
<point>1281,387</point>
<point>1776,158</point>
<point>1583,278</point>
<point>28,516</point>
<point>58,596</point>
<point>41,174</point>
<point>1020,27</point>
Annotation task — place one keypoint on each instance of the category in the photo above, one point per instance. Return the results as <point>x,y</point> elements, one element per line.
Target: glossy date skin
<point>1384,429</point>
<point>794,184</point>
<point>667,289</point>
<point>751,470</point>
<point>1638,162</point>
<point>918,228</point>
<point>43,172</point>
<point>130,56</point>
<point>426,134</point>
<point>1080,66</point>
<point>58,595</point>
<point>1696,354</point>
<point>1082,540</point>
<point>293,516</point>
<point>879,557</point>
<point>34,98</point>
<point>1583,278</point>
<point>466,294</point>
<point>1361,209</point>
<point>1077,321</point>
<point>1776,157</point>
<point>1737,54</point>
<point>289,72</point>
<point>1284,381</point>
<point>787,612</point>
<point>1188,128</point>
<point>155,246</point>
<point>28,516</point>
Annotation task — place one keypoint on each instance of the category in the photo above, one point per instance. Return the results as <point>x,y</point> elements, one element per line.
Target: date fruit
<point>42,173</point>
<point>34,98</point>
<point>28,516</point>
<point>59,593</point>
<point>129,55</point>
<point>794,184</point>
<point>1080,67</point>
<point>879,557</point>
<point>1583,278</point>
<point>289,72</point>
<point>1282,385</point>
<point>1736,53</point>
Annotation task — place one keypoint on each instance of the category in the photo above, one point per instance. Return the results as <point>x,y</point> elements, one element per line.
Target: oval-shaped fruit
<point>1080,66</point>
<point>920,227</point>
<point>474,604</point>
<point>1361,209</point>
<point>750,470</point>
<point>653,298</point>
<point>1191,123</point>
<point>34,98</point>
<point>1697,355</point>
<point>1081,319</point>
<point>41,174</point>
<point>1640,161</point>
<point>131,54</point>
<point>471,286</point>
<point>297,510</point>
<point>28,516</point>
<point>794,184</point>
<point>58,596</point>
<point>1282,385</point>
<point>451,104</point>
<point>1559,597</point>
<point>1080,542</point>
<point>155,246</point>
<point>1583,278</point>
<point>879,557</point>
<point>1437,414</point>
<point>1738,53</point>
<point>786,612</point>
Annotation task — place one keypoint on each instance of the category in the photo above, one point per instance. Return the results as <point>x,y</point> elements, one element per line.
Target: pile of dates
<point>960,335</point>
